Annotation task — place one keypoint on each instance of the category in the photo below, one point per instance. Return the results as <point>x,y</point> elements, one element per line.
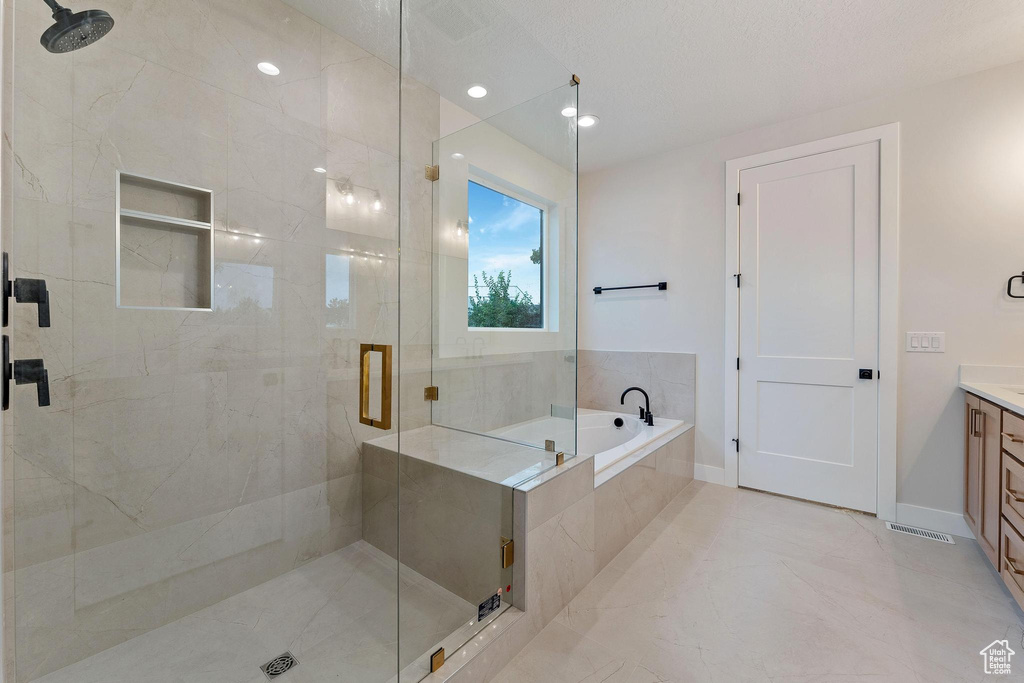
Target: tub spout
<point>645,413</point>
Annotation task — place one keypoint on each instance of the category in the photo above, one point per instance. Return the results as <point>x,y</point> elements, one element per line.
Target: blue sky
<point>503,232</point>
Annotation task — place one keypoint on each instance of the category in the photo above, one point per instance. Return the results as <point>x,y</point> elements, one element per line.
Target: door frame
<point>889,347</point>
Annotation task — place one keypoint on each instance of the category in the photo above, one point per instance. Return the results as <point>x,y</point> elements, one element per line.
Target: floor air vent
<point>279,665</point>
<point>923,533</point>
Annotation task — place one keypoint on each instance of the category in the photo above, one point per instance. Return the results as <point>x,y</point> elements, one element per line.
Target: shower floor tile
<point>337,615</point>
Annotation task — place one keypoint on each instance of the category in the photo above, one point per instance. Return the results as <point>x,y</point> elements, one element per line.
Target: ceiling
<point>670,73</point>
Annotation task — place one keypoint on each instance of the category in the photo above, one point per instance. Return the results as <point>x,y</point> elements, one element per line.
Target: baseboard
<point>710,474</point>
<point>932,519</point>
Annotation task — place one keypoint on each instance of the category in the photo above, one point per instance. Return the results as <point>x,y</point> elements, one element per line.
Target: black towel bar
<point>1009,286</point>
<point>661,286</point>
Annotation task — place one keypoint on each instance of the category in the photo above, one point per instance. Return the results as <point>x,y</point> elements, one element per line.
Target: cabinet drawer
<point>1013,434</point>
<point>1011,566</point>
<point>1012,493</point>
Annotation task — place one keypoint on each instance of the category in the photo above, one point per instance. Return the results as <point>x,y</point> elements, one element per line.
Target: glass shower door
<point>210,193</point>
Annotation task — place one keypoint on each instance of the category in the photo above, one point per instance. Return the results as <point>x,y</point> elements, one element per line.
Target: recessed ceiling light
<point>458,155</point>
<point>477,91</point>
<point>569,112</point>
<point>587,120</point>
<point>320,169</point>
<point>268,68</point>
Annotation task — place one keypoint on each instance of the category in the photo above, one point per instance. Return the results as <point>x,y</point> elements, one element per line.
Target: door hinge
<point>431,393</point>
<point>737,442</point>
<point>737,199</point>
<point>508,552</point>
<point>738,276</point>
<point>432,173</point>
<point>737,363</point>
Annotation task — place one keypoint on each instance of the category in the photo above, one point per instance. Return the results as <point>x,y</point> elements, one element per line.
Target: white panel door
<point>808,326</point>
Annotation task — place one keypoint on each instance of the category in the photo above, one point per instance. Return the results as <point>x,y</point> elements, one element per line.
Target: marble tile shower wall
<point>187,456</point>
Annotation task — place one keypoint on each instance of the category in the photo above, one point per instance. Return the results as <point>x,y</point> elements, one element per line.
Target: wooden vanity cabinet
<point>983,471</point>
<point>994,487</point>
<point>991,418</point>
<point>972,466</point>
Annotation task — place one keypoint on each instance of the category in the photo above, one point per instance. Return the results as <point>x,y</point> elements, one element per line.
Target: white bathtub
<point>613,448</point>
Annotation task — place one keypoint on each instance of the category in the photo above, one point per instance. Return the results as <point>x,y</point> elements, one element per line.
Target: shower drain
<point>279,665</point>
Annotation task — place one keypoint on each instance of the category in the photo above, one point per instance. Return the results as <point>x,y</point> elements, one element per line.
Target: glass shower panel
<point>219,240</point>
<point>504,348</point>
<point>467,385</point>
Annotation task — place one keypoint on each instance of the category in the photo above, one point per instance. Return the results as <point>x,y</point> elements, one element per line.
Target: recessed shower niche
<point>164,244</point>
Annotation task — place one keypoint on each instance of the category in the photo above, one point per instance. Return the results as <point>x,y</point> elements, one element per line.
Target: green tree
<point>337,313</point>
<point>497,307</point>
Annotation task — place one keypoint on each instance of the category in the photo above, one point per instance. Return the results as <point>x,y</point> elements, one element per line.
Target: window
<point>506,281</point>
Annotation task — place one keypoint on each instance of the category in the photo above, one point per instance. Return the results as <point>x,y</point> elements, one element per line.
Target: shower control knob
<point>27,371</point>
<point>29,291</point>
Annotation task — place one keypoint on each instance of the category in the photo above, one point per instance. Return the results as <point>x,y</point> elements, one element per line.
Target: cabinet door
<point>972,465</point>
<point>991,424</point>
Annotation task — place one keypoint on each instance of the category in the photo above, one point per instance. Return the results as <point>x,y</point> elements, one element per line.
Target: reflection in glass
<point>337,286</point>
<point>244,289</point>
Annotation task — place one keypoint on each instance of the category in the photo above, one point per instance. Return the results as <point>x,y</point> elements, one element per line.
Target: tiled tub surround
<point>631,498</point>
<point>566,531</point>
<point>486,393</point>
<point>669,379</point>
<point>189,456</point>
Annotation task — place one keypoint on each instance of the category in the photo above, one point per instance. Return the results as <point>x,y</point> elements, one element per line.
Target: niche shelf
<point>164,241</point>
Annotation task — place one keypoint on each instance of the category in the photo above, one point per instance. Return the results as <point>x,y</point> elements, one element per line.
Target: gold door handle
<point>1012,437</point>
<point>1011,566</point>
<point>1015,495</point>
<point>384,422</point>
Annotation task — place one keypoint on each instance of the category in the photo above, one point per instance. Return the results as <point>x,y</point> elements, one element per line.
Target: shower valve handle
<point>24,291</point>
<point>28,291</point>
<point>32,371</point>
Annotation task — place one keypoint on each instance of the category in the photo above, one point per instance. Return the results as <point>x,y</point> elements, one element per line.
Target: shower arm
<point>53,5</point>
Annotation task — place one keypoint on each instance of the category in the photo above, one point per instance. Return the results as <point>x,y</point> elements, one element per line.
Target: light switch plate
<point>926,342</point>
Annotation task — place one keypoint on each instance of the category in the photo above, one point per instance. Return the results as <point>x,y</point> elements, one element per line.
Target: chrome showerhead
<point>75,30</point>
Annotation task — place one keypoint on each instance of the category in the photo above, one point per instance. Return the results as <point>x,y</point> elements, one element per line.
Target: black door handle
<point>867,374</point>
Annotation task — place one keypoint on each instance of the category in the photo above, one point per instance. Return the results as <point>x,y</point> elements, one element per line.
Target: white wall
<point>961,237</point>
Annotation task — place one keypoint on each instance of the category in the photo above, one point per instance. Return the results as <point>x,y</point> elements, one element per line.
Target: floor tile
<point>735,585</point>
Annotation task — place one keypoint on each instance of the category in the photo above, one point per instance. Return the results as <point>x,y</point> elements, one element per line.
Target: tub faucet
<point>645,413</point>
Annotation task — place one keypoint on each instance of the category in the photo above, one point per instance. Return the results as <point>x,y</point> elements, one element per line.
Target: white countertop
<point>1009,396</point>
<point>1000,384</point>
